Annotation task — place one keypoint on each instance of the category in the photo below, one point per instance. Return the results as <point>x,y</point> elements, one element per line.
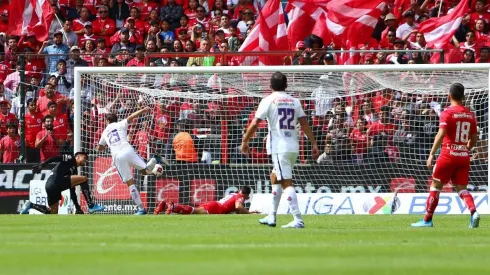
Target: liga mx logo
<point>381,205</point>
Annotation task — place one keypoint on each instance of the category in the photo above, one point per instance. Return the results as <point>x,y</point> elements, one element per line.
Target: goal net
<point>375,126</point>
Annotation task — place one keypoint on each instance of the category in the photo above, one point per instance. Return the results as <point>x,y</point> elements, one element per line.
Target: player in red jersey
<point>458,135</point>
<point>231,203</point>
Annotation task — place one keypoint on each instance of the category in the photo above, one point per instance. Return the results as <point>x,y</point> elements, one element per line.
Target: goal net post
<point>374,124</point>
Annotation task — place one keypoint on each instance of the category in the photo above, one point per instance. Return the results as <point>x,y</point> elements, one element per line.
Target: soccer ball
<point>157,170</point>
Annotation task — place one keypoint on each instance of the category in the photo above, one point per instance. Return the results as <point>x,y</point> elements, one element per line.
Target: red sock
<point>431,205</point>
<point>183,209</point>
<point>468,199</point>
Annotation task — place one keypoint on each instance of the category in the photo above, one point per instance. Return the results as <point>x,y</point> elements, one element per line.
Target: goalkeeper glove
<point>36,169</point>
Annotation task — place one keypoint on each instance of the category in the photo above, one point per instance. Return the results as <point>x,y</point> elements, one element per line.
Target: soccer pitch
<point>234,244</point>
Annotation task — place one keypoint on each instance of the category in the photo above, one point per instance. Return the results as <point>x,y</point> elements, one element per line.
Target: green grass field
<point>234,244</point>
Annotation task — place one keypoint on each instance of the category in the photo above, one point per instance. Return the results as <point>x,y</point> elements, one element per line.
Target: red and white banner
<point>307,17</point>
<point>351,22</point>
<point>399,7</point>
<point>268,34</point>
<point>167,189</point>
<point>438,32</point>
<point>30,17</point>
<point>203,191</point>
<point>107,183</point>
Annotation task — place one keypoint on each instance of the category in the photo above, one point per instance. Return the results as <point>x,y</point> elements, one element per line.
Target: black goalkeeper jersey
<point>67,166</point>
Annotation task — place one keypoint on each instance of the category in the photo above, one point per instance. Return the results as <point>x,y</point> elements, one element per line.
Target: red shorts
<point>213,208</point>
<point>456,171</point>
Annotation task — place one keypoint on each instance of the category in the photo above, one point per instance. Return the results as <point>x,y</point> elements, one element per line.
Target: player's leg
<point>53,190</point>
<point>134,160</point>
<point>135,195</point>
<point>182,209</point>
<point>54,194</point>
<point>460,180</point>
<point>28,205</point>
<point>212,208</point>
<point>70,182</point>
<point>123,168</point>
<point>76,180</point>
<point>161,207</point>
<point>145,169</point>
<point>276,198</point>
<point>74,199</point>
<point>440,176</point>
<point>286,163</point>
<point>92,206</point>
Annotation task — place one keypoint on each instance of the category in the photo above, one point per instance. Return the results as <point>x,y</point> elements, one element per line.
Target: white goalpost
<point>375,125</point>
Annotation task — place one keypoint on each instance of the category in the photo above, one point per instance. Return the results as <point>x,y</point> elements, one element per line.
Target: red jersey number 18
<point>462,131</point>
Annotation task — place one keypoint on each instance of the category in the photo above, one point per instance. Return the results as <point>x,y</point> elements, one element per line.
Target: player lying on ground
<point>458,135</point>
<point>64,176</point>
<point>282,112</point>
<point>124,157</point>
<point>229,204</point>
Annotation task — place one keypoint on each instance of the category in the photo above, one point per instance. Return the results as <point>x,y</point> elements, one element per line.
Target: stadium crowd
<point>379,125</point>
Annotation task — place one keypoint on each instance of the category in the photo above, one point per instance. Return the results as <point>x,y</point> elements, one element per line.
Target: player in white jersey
<point>124,157</point>
<point>282,112</point>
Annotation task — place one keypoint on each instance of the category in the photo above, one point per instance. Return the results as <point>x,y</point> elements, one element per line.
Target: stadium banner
<point>198,183</point>
<point>14,185</point>
<point>37,195</point>
<point>117,206</point>
<point>370,204</point>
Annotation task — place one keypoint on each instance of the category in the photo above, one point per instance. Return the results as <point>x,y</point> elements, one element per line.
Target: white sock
<point>151,164</point>
<point>276,198</point>
<point>293,203</point>
<point>135,195</point>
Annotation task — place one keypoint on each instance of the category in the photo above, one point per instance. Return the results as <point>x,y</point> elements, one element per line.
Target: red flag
<point>438,31</point>
<point>399,7</point>
<point>30,17</point>
<point>351,22</point>
<point>268,34</point>
<point>307,17</point>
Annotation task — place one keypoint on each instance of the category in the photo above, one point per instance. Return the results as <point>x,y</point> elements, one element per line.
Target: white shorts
<point>283,165</point>
<point>123,162</point>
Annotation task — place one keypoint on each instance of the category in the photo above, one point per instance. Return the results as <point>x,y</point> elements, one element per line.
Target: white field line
<point>233,245</point>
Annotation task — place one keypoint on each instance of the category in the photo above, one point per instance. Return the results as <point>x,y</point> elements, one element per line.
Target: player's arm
<point>438,141</point>
<point>240,208</point>
<point>309,133</point>
<point>473,135</point>
<point>472,142</point>
<point>37,168</point>
<point>102,144</point>
<point>252,128</point>
<point>137,114</point>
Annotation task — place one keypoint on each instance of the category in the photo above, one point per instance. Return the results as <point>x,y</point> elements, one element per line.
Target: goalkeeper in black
<point>63,176</point>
